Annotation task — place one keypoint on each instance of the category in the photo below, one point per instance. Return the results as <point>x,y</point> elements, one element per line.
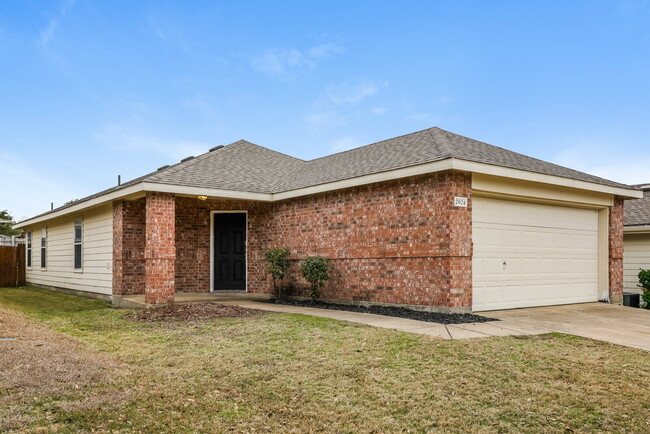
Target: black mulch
<point>400,312</point>
<point>190,312</point>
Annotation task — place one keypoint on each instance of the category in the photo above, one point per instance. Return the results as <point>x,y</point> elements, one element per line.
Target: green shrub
<point>644,284</point>
<point>314,269</point>
<point>278,260</point>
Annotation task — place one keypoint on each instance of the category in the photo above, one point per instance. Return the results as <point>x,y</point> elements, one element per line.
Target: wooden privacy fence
<point>12,265</point>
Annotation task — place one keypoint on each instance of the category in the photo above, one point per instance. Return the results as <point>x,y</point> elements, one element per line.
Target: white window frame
<point>29,255</point>
<point>43,256</point>
<point>79,243</point>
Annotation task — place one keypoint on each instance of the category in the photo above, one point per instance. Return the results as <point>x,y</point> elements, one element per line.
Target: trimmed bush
<point>315,270</point>
<point>278,268</point>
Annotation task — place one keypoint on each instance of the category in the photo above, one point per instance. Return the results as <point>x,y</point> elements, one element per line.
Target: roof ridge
<point>268,149</point>
<point>369,144</point>
<point>189,163</point>
<point>442,142</point>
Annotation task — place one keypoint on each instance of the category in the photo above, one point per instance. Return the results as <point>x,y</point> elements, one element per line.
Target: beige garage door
<point>528,254</point>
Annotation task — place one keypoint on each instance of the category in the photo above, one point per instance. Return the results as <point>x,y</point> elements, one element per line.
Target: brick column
<point>160,248</point>
<point>460,240</point>
<point>128,247</point>
<point>118,243</point>
<point>616,251</point>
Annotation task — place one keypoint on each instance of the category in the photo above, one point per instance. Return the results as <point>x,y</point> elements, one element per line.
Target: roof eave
<point>489,169</point>
<point>637,229</point>
<point>462,165</point>
<point>420,169</point>
<point>91,203</point>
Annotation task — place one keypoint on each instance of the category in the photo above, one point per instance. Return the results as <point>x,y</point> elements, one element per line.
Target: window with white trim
<point>29,249</point>
<point>78,234</point>
<point>43,247</point>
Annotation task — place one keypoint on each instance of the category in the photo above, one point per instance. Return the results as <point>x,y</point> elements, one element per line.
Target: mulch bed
<point>400,312</point>
<point>191,312</point>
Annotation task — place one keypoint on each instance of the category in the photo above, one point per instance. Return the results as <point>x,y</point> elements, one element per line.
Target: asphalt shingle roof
<point>244,166</point>
<point>240,166</point>
<point>637,211</point>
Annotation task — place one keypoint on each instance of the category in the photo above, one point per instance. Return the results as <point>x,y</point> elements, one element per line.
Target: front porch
<point>169,248</point>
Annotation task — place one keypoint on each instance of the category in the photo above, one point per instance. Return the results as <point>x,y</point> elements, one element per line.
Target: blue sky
<point>93,89</point>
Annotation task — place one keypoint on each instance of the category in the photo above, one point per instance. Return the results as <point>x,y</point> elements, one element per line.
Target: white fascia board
<point>210,192</point>
<point>128,191</point>
<point>636,229</point>
<point>488,169</point>
<point>463,165</point>
<point>422,169</point>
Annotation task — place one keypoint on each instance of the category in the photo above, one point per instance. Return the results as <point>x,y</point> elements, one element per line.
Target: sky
<point>93,89</point>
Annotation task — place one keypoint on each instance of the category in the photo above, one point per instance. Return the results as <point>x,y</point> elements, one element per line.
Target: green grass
<point>298,373</point>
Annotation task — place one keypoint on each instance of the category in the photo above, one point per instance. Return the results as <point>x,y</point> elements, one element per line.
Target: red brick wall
<point>193,240</point>
<point>394,242</point>
<point>616,251</point>
<point>160,247</point>
<point>128,247</point>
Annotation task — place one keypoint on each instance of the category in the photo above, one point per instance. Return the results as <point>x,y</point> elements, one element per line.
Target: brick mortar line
<point>393,257</point>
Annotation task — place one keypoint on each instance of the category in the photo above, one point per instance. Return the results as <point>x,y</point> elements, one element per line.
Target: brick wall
<point>394,242</point>
<point>160,247</point>
<point>193,240</point>
<point>128,247</point>
<point>616,251</point>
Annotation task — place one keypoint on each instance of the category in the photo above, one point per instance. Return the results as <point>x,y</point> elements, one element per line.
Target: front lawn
<point>78,364</point>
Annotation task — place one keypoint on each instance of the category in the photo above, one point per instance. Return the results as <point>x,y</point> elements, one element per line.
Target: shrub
<point>644,284</point>
<point>278,260</point>
<point>314,269</point>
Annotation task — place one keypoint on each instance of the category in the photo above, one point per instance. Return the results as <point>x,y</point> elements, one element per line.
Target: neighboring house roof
<point>637,212</point>
<point>245,167</point>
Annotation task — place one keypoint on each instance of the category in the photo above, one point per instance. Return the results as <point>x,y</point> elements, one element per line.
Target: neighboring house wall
<point>97,250</point>
<point>637,256</point>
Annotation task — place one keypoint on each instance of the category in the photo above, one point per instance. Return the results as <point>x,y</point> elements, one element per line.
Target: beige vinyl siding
<point>636,256</point>
<point>97,252</point>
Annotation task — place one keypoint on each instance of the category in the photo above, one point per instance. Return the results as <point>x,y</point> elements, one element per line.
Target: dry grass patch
<point>295,373</point>
<point>48,371</point>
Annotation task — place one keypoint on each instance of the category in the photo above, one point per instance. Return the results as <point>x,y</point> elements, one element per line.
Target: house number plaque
<point>460,201</point>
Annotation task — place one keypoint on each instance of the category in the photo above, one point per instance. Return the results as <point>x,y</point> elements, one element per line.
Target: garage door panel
<point>550,254</point>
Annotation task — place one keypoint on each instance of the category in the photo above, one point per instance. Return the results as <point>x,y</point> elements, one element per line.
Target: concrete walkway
<point>610,323</point>
<point>456,331</point>
<point>258,301</point>
<point>605,322</point>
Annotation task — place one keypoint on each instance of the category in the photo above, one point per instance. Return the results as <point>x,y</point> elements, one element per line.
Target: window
<point>43,247</point>
<point>78,229</point>
<point>29,249</point>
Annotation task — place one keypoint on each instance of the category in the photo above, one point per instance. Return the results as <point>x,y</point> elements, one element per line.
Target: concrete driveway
<point>617,324</point>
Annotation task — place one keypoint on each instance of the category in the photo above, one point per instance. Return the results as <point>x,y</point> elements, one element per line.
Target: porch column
<point>616,251</point>
<point>160,248</point>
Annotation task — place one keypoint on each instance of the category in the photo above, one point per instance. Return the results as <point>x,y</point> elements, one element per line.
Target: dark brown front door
<point>229,251</point>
